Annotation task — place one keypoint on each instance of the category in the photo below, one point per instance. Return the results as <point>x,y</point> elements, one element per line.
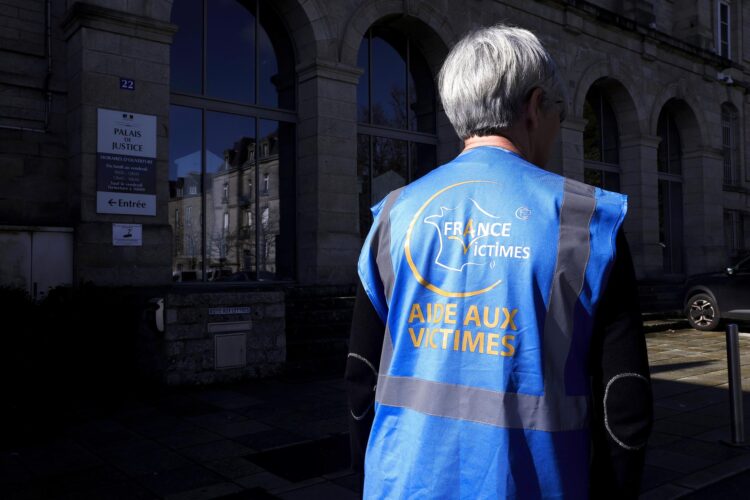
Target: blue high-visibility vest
<point>487,273</point>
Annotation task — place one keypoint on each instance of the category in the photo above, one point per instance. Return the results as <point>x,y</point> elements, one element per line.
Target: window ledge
<point>735,189</point>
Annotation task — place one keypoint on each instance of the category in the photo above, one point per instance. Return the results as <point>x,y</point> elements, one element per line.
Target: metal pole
<point>735,385</point>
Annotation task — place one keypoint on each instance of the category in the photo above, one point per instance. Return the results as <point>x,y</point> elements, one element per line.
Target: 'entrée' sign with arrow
<point>125,163</point>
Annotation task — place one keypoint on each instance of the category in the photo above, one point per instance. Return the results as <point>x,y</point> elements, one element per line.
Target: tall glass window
<point>232,142</point>
<point>734,233</point>
<point>396,114</point>
<point>730,145</point>
<point>601,148</point>
<point>723,30</point>
<point>669,161</point>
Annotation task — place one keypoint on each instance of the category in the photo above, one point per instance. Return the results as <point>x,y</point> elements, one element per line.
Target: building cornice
<point>650,35</point>
<point>86,15</point>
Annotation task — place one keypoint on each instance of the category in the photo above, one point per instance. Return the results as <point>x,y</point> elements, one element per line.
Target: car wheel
<point>702,312</point>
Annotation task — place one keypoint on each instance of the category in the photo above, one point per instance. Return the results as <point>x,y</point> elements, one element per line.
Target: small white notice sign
<point>127,235</point>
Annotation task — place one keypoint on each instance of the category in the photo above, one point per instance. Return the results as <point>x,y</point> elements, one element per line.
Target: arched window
<point>233,86</point>
<point>396,114</point>
<point>730,145</point>
<point>601,148</point>
<point>669,161</point>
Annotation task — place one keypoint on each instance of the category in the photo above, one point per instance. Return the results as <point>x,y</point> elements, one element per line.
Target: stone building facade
<point>277,172</point>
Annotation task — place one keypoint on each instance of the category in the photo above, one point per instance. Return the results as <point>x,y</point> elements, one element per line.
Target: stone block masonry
<point>194,320</point>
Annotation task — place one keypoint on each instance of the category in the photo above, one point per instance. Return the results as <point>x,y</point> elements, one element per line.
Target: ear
<point>534,108</point>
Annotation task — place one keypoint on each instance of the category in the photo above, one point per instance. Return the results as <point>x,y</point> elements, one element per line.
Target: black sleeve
<point>365,344</point>
<point>622,404</point>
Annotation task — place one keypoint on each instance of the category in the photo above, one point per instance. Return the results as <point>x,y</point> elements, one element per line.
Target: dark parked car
<point>712,297</point>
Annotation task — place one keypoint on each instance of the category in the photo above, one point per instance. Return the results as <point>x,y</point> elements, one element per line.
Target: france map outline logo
<point>474,229</point>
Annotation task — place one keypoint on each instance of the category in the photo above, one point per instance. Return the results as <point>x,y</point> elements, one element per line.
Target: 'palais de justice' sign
<point>126,163</point>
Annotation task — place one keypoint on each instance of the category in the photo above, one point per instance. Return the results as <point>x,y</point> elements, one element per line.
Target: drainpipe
<point>47,79</point>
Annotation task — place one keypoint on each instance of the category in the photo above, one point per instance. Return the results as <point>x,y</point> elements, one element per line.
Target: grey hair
<point>489,75</point>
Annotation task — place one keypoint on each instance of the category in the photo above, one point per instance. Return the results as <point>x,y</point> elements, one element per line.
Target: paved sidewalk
<point>287,438</point>
<point>268,439</point>
<point>689,374</point>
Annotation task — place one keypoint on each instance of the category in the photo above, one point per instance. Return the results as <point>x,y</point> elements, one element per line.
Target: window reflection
<point>259,246</point>
<point>388,99</point>
<point>421,94</point>
<point>389,167</point>
<point>233,198</point>
<point>268,69</point>
<point>246,223</point>
<point>230,50</point>
<point>185,67</point>
<point>233,30</point>
<point>276,64</point>
<point>385,164</point>
<point>387,93</point>
<point>184,188</point>
<point>228,141</point>
<point>396,90</point>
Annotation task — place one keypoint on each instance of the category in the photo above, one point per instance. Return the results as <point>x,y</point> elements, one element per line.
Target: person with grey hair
<point>496,347</point>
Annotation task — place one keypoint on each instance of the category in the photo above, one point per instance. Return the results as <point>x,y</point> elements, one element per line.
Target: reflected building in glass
<point>243,215</point>
<point>223,106</point>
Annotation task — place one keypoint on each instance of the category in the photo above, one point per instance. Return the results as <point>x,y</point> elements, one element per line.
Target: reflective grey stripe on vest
<point>382,250</point>
<point>501,409</point>
<point>573,250</point>
<point>382,245</point>
<point>554,410</point>
<point>386,355</point>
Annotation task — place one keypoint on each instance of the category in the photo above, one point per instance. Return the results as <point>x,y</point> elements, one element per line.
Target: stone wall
<point>193,320</point>
<point>34,178</point>
<point>103,45</point>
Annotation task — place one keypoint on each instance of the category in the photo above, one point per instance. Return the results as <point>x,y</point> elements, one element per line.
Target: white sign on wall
<point>125,163</point>
<point>127,235</point>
